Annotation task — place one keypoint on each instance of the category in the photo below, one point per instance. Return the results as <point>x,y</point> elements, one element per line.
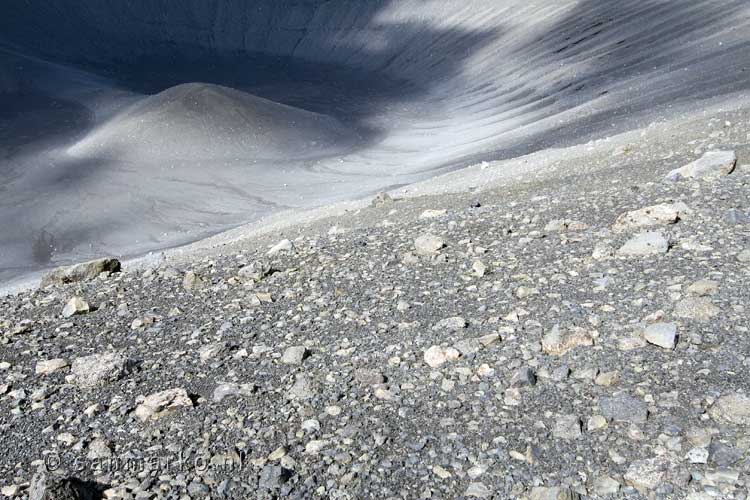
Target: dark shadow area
<point>637,59</point>
<point>30,118</point>
<point>313,54</point>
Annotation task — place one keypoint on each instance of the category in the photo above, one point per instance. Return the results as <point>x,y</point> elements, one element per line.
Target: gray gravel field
<point>580,334</point>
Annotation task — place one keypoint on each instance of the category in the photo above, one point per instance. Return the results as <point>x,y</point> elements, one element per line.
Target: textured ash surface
<point>130,127</point>
<point>303,374</point>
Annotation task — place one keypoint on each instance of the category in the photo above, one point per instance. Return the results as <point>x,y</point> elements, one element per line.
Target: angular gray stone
<point>84,271</point>
<point>656,215</point>
<point>282,246</point>
<point>161,404</point>
<point>368,376</point>
<point>661,334</point>
<point>47,366</point>
<point>75,306</point>
<point>302,388</point>
<point>294,355</point>
<point>552,493</point>
<point>192,281</point>
<point>733,408</point>
<point>478,490</point>
<point>226,390</point>
<point>644,244</point>
<point>711,165</point>
<point>698,308</point>
<point>524,377</point>
<point>646,475</point>
<point>428,244</point>
<point>624,408</point>
<point>567,427</point>
<point>98,369</point>
<point>453,324</point>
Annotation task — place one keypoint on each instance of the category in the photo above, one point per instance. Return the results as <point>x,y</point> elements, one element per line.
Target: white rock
<point>98,369</point>
<point>711,165</point>
<point>85,271</point>
<point>294,355</point>
<point>282,246</point>
<point>655,215</point>
<point>315,446</point>
<point>479,268</point>
<point>478,490</point>
<point>698,308</point>
<point>733,408</point>
<point>428,244</point>
<point>661,334</point>
<point>453,324</point>
<point>645,475</point>
<point>552,493</point>
<point>605,486</point>
<point>48,366</point>
<point>75,306</point>
<point>431,214</point>
<point>703,288</point>
<point>648,243</point>
<point>436,356</point>
<point>162,403</point>
<point>556,342</point>
<point>567,427</point>
<point>697,456</point>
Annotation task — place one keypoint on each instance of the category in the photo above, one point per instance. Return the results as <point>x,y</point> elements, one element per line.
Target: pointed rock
<point>644,244</point>
<point>656,215</point>
<point>75,306</point>
<point>85,271</point>
<point>557,343</point>
<point>712,165</point>
<point>161,404</point>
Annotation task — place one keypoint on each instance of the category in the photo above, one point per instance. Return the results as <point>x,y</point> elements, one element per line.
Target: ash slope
<point>427,86</point>
<point>210,123</point>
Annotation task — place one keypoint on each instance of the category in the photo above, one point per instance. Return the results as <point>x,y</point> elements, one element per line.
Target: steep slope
<point>401,91</point>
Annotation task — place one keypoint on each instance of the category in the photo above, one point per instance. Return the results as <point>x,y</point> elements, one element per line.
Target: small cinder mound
<point>199,121</point>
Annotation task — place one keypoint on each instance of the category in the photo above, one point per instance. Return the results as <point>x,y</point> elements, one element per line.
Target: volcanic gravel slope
<point>514,341</point>
<point>421,87</point>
